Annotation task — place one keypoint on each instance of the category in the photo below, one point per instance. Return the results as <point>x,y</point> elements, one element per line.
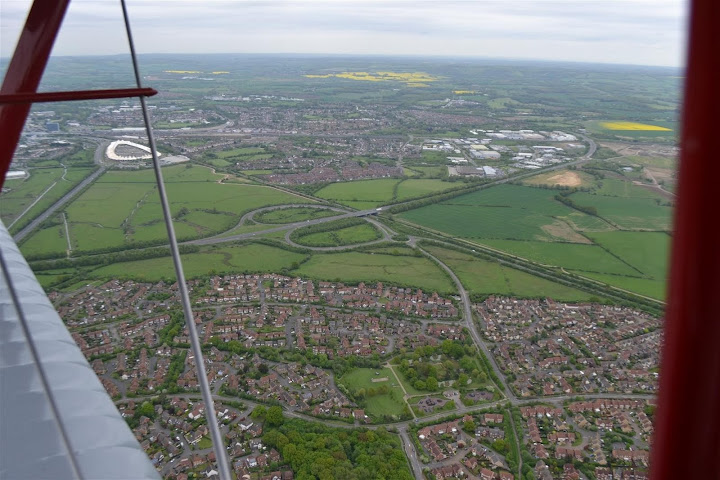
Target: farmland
<point>633,126</point>
<point>505,211</point>
<point>646,251</point>
<point>631,213</point>
<point>551,226</point>
<point>572,256</point>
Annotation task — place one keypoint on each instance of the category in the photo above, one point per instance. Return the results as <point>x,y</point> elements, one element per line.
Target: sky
<point>638,32</point>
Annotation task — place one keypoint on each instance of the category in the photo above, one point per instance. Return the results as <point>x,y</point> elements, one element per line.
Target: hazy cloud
<point>649,32</point>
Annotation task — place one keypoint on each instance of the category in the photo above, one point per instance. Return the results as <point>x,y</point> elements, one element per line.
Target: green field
<point>505,212</point>
<point>344,236</point>
<point>23,192</point>
<point>621,188</point>
<point>47,240</point>
<point>417,188</point>
<point>355,267</point>
<point>428,172</point>
<point>172,174</point>
<point>644,286</point>
<point>123,207</point>
<point>490,278</point>
<point>211,261</point>
<point>293,214</point>
<point>590,258</point>
<point>374,192</point>
<point>629,212</point>
<point>376,406</point>
<point>646,251</point>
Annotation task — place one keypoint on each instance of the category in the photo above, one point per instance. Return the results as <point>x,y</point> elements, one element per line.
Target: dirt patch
<point>645,150</point>
<point>378,380</point>
<point>565,179</point>
<point>561,230</point>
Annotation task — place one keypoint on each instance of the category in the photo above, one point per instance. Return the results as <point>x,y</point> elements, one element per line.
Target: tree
<point>263,368</point>
<point>431,383</point>
<point>258,412</point>
<point>274,416</point>
<point>146,410</point>
<point>501,446</point>
<point>469,427</point>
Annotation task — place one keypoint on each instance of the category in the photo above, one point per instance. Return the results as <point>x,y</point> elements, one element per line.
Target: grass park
<point>365,382</point>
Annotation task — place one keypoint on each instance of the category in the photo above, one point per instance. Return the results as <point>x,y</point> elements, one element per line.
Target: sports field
<point>390,403</point>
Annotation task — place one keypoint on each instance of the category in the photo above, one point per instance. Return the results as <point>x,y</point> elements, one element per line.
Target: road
<point>410,452</point>
<point>289,226</point>
<point>57,205</point>
<point>470,324</point>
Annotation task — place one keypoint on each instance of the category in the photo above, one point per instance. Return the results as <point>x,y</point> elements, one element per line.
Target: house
<point>486,474</point>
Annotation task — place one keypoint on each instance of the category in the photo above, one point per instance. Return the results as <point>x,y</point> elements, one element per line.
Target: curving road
<point>470,324</point>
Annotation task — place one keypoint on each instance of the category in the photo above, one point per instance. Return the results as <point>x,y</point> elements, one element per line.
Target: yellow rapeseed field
<point>411,79</point>
<point>464,92</point>
<point>182,71</point>
<point>634,126</point>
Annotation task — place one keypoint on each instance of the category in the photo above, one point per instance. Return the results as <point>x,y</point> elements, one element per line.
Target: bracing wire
<point>217,440</point>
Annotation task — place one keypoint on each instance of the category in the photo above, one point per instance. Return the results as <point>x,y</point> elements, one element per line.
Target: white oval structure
<point>112,155</point>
